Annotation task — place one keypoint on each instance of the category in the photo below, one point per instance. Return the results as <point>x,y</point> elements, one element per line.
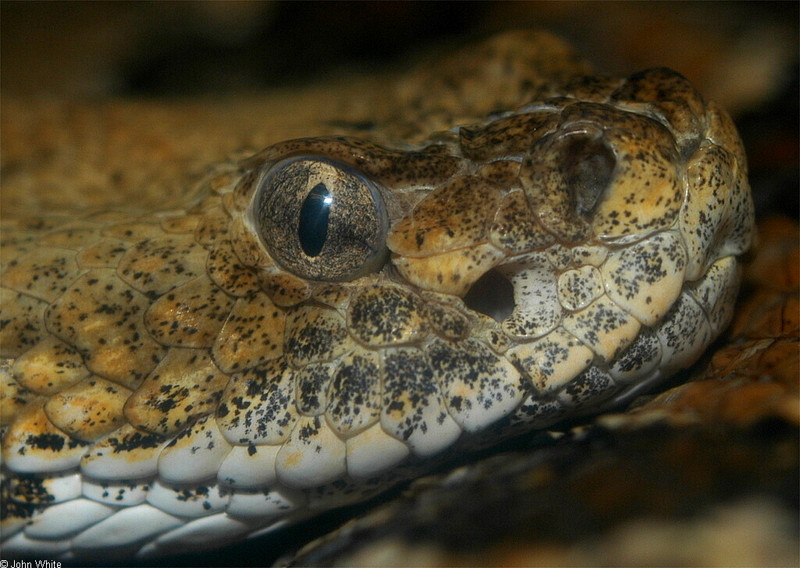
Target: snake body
<point>334,313</point>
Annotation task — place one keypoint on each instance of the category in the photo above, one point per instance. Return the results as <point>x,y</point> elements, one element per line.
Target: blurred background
<point>734,51</point>
<point>742,54</point>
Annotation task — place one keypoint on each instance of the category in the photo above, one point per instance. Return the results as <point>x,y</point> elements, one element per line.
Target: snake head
<point>555,258</point>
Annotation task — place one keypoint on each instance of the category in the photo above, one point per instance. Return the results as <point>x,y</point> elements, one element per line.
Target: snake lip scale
<point>336,313</point>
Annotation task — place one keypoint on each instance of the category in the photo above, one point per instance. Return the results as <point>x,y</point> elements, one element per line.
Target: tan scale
<point>49,367</point>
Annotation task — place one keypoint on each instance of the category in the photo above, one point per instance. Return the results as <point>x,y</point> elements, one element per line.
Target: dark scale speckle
<point>134,441</point>
<point>52,442</point>
<point>409,390</point>
<point>26,491</point>
<point>589,387</point>
<point>385,315</point>
<point>472,364</point>
<point>312,386</point>
<point>354,393</point>
<point>314,334</point>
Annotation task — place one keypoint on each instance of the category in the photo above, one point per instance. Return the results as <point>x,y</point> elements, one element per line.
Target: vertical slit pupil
<point>312,230</point>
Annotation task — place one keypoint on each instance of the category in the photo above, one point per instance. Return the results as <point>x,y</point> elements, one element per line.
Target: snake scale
<point>333,314</point>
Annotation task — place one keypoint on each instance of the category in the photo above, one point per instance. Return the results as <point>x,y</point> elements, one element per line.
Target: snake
<point>327,317</point>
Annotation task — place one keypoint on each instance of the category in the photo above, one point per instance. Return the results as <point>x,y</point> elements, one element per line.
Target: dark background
<point>742,54</point>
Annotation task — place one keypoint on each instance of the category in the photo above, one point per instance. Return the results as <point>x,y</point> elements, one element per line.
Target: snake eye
<point>320,220</point>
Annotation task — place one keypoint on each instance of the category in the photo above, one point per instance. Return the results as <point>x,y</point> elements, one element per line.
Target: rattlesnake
<point>331,315</point>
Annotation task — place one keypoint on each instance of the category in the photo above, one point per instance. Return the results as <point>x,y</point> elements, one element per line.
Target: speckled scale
<point>192,502</point>
<point>89,409</point>
<point>191,315</point>
<point>716,293</point>
<point>105,252</point>
<point>579,287</point>
<point>672,96</point>
<point>15,246</point>
<point>515,228</point>
<point>14,397</point>
<point>503,172</point>
<point>184,386</point>
<point>43,273</point>
<point>125,493</point>
<point>23,322</point>
<point>478,386</point>
<point>247,245</point>
<point>96,303</point>
<point>453,216</point>
<point>386,315</point>
<point>28,500</point>
<point>536,308</point>
<point>33,444</point>
<point>602,326</point>
<point>49,367</point>
<point>312,388</point>
<point>212,227</point>
<point>509,136</point>
<point>252,333</point>
<point>284,289</point>
<point>26,228</point>
<point>447,321</point>
<point>195,455</point>
<point>710,216</point>
<point>681,332</point>
<point>645,278</point>
<point>225,270</point>
<point>553,360</point>
<point>354,395</point>
<point>589,388</point>
<point>534,412</point>
<point>158,265</point>
<point>414,410</point>
<point>314,334</point>
<point>639,359</point>
<point>257,406</point>
<point>126,453</point>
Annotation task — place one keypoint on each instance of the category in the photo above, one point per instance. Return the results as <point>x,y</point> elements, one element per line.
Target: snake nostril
<point>492,294</point>
<point>588,167</point>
